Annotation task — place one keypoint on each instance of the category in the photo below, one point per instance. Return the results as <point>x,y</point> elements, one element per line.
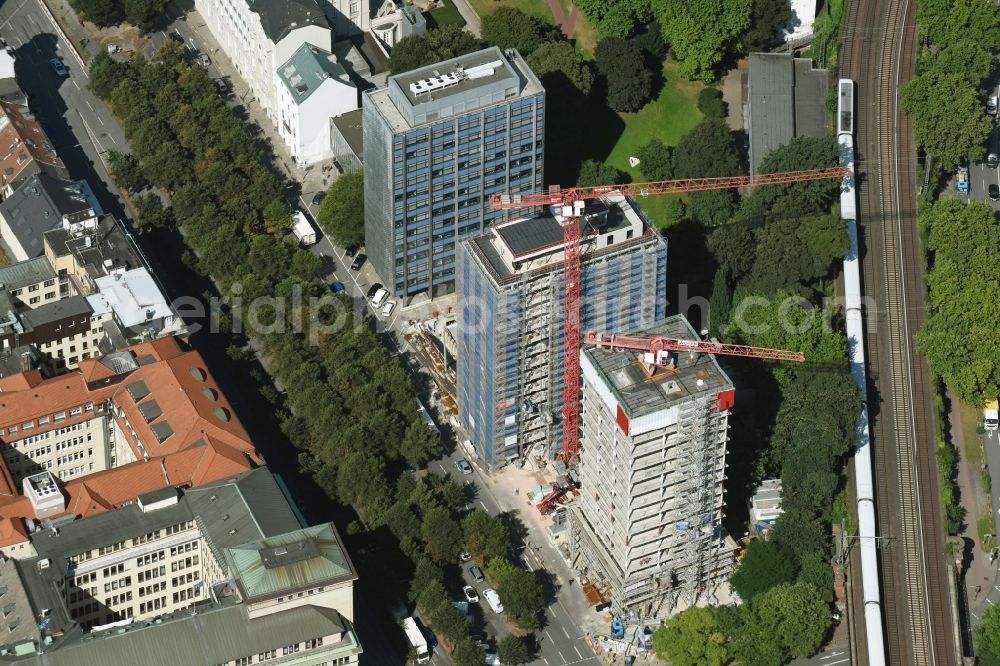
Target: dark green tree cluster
<point>519,590</point>
<point>787,621</point>
<point>342,213</point>
<point>710,103</point>
<point>416,51</point>
<point>959,336</point>
<point>987,637</point>
<point>962,37</point>
<point>708,150</point>
<point>140,13</point>
<point>627,83</point>
<point>510,28</point>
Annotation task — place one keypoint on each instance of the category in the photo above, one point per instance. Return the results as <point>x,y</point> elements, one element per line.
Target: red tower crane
<point>572,201</point>
<point>658,347</point>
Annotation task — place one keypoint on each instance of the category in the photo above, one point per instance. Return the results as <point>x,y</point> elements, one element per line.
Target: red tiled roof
<point>22,141</point>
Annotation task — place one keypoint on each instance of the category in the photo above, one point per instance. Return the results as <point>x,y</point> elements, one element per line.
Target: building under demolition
<point>647,525</point>
<point>510,324</point>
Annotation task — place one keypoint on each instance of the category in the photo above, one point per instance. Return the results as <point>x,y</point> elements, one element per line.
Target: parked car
<point>388,308</point>
<point>994,191</point>
<point>962,180</point>
<point>174,37</point>
<point>358,262</point>
<point>58,67</point>
<point>470,594</point>
<point>318,198</point>
<point>338,288</point>
<point>991,104</point>
<point>464,557</point>
<point>379,298</point>
<point>477,574</point>
<point>350,251</point>
<point>222,86</point>
<point>372,290</point>
<point>204,60</point>
<point>493,599</point>
<point>992,160</point>
<point>463,466</point>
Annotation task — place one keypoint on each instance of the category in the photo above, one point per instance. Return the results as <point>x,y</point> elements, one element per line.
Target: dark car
<point>477,574</point>
<point>338,288</point>
<point>994,191</point>
<point>350,251</point>
<point>318,198</point>
<point>358,262</point>
<point>372,289</point>
<point>174,37</point>
<point>222,86</point>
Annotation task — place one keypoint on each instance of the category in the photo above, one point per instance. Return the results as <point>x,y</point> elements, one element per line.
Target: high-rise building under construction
<point>646,527</point>
<point>510,323</point>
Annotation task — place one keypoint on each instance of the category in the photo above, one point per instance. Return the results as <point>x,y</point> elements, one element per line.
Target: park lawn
<point>447,14</point>
<point>667,118</point>
<point>584,33</point>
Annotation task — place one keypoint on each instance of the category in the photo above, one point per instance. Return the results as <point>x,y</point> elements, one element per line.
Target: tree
<point>342,213</point>
<point>707,150</point>
<point>794,252</point>
<point>966,59</point>
<point>656,161</point>
<point>442,535</point>
<point>151,213</point>
<point>416,51</point>
<point>105,74</point>
<point>419,444</point>
<point>102,13</point>
<point>795,616</point>
<point>815,569</point>
<point>556,63</point>
<point>650,42</point>
<point>959,336</point>
<point>987,635</point>
<point>701,32</point>
<point>768,18</point>
<point>801,153</point>
<point>126,169</point>
<point>947,22</point>
<point>765,564</point>
<point>614,18</point>
<point>934,100</point>
<point>143,13</point>
<point>486,537</point>
<point>453,494</point>
<point>468,653</point>
<point>425,574</point>
<point>513,649</point>
<point>691,638</point>
<point>277,217</point>
<point>712,208</point>
<point>710,103</point>
<point>519,590</point>
<point>510,28</point>
<point>628,84</point>
<point>593,172</point>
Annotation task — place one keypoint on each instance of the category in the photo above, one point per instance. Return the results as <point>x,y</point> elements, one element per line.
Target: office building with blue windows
<point>438,141</point>
<point>509,318</point>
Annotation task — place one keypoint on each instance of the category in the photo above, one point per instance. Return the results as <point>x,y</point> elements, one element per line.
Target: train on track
<point>867,538</point>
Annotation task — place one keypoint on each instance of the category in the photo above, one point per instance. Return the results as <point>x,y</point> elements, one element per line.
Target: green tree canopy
<point>442,534</point>
<point>947,22</point>
<point>987,635</point>
<point>768,18</point>
<point>795,616</point>
<point>707,150</point>
<point>935,100</point>
<point>486,536</point>
<point>468,653</point>
<point>627,82</point>
<point>615,18</point>
<point>102,13</point>
<point>765,564</point>
<point>959,336</point>
<point>691,638</point>
<point>126,169</point>
<point>701,32</point>
<point>419,444</point>
<point>793,252</point>
<point>712,208</point>
<point>143,13</point>
<point>710,103</point>
<point>558,63</point>
<point>342,213</point>
<point>513,649</point>
<point>802,153</point>
<point>519,590</point>
<point>593,172</point>
<point>416,51</point>
<point>510,28</point>
<point>656,160</point>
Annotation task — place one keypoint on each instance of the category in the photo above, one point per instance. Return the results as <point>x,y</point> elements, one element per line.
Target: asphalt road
<point>981,175</point>
<point>991,444</point>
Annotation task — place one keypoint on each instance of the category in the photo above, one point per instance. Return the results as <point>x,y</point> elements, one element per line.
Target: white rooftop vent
<point>44,564</point>
<point>432,83</point>
<point>484,70</point>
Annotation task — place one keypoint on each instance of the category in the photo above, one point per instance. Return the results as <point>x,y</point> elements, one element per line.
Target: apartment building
<point>509,317</point>
<point>438,141</point>
<point>42,203</point>
<point>25,149</point>
<point>313,89</point>
<point>647,525</point>
<point>220,573</point>
<point>259,35</point>
<point>149,401</point>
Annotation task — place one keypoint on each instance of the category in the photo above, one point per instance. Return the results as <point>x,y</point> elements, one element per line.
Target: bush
<point>710,103</point>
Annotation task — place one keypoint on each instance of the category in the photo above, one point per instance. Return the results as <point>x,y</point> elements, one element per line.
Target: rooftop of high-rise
<point>453,87</point>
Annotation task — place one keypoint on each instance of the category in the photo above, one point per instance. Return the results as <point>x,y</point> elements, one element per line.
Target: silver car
<point>204,60</point>
<point>463,466</point>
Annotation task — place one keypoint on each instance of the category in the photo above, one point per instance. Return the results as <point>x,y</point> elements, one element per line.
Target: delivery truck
<point>302,229</point>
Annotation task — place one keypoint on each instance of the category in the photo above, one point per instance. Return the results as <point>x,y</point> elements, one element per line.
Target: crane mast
<point>571,201</point>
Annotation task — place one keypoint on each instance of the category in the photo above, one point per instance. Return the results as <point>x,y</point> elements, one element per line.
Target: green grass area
<point>667,118</point>
<point>447,14</point>
<point>584,33</point>
<point>984,530</point>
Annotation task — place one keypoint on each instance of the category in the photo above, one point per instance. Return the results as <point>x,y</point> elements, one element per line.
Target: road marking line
<point>101,120</point>
<point>577,650</point>
<point>548,635</point>
<point>545,660</point>
<point>481,503</point>
<point>562,657</point>
<point>75,84</point>
<point>527,564</point>
<point>91,107</point>
<point>566,632</point>
<point>839,661</point>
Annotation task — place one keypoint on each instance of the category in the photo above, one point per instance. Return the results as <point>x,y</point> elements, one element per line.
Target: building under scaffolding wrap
<point>510,324</point>
<point>647,526</point>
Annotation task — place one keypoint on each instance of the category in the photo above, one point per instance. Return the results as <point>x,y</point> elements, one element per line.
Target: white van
<point>493,599</point>
<point>379,298</point>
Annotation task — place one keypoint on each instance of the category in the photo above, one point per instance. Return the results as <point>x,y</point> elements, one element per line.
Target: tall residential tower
<point>647,526</point>
<point>510,326</point>
<point>438,141</point>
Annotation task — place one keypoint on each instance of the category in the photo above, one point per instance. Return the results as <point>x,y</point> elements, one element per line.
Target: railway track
<point>878,52</point>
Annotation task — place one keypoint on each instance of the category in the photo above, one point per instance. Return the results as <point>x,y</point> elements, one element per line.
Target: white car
<point>493,599</point>
<point>388,308</point>
<point>470,594</point>
<point>378,298</point>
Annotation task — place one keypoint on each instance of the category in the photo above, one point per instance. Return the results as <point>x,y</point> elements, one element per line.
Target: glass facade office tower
<point>509,320</point>
<point>438,141</point>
